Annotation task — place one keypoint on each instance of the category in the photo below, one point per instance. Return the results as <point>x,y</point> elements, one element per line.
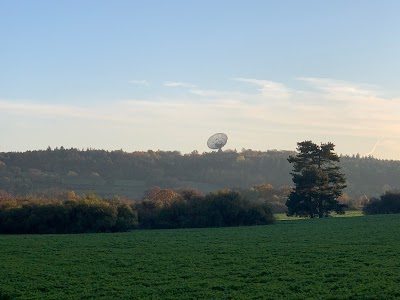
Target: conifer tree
<point>317,179</point>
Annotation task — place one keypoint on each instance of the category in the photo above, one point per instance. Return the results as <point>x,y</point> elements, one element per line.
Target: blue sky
<point>165,75</point>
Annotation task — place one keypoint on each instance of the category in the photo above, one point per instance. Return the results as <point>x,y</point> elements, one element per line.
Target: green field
<point>350,213</point>
<point>331,258</point>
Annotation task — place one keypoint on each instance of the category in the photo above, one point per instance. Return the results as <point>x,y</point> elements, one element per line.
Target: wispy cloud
<point>139,82</point>
<point>42,109</point>
<point>268,88</point>
<point>342,88</point>
<point>178,84</point>
<point>274,115</point>
<point>222,95</point>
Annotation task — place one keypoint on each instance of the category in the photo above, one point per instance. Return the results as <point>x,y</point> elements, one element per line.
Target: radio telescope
<point>217,141</point>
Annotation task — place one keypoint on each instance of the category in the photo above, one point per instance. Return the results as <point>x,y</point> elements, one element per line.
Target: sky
<point>166,75</point>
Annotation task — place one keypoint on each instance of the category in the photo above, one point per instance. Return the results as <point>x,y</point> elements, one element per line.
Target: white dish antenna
<point>217,141</point>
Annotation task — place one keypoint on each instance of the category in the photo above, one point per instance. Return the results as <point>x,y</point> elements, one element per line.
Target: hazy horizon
<point>167,75</point>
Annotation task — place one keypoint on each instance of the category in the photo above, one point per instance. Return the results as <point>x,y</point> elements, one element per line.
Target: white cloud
<point>178,84</point>
<point>268,88</point>
<point>42,109</point>
<point>274,116</point>
<point>341,88</point>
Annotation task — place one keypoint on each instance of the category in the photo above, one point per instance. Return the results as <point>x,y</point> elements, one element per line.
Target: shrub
<point>190,209</point>
<point>388,203</point>
<point>74,215</point>
<point>70,213</point>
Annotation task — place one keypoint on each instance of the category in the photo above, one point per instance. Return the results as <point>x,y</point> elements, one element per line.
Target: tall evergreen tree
<point>317,179</point>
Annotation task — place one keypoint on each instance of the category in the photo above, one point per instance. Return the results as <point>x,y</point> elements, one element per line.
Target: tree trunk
<point>320,212</point>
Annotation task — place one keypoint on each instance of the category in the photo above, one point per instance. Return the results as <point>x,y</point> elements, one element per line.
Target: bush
<point>70,213</point>
<point>90,216</point>
<point>388,203</point>
<point>4,296</point>
<point>190,209</point>
<point>127,217</point>
<point>74,215</point>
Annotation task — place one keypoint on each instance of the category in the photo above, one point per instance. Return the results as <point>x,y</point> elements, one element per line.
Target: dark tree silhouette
<point>387,203</point>
<point>317,179</point>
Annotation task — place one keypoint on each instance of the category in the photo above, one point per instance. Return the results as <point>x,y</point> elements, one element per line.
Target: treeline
<point>131,174</point>
<point>68,213</point>
<point>160,208</point>
<point>387,203</point>
<point>188,208</point>
<point>126,174</point>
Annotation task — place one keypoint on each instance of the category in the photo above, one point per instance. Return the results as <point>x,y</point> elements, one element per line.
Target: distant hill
<point>131,174</point>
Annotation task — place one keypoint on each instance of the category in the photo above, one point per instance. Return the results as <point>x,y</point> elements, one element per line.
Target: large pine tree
<point>317,179</point>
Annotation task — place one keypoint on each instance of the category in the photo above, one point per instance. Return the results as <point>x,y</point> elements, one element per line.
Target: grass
<point>331,258</point>
<point>349,213</point>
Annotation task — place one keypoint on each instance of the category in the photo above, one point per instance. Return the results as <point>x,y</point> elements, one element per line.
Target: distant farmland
<point>331,258</point>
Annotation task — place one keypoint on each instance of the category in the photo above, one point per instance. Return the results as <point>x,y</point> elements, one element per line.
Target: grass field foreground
<point>331,258</point>
<point>349,213</point>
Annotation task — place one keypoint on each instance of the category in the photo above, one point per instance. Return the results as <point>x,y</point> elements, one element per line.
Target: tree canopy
<point>317,180</point>
<point>387,203</point>
<point>160,208</point>
<point>130,174</point>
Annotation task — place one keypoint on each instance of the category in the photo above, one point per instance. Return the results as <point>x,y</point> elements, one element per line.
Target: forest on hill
<point>108,173</point>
